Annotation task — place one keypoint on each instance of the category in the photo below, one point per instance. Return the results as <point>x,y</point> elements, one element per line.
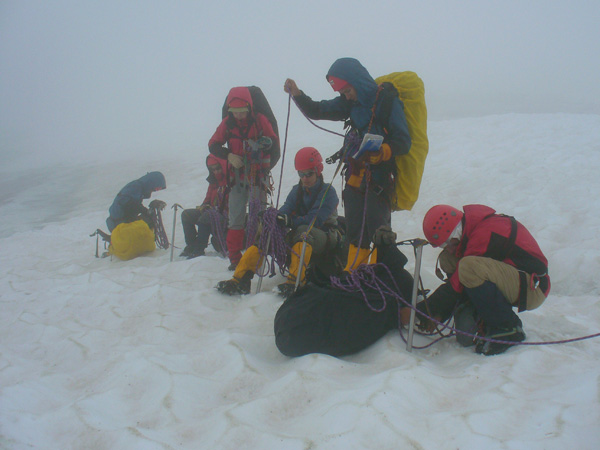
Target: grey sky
<point>84,78</point>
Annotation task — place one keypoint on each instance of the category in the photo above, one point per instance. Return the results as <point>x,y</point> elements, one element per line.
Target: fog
<point>90,81</point>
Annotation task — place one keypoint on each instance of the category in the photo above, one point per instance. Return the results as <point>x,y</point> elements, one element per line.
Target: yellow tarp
<point>129,240</point>
<point>410,167</point>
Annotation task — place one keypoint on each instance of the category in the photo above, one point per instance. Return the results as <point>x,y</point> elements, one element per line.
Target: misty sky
<point>100,79</point>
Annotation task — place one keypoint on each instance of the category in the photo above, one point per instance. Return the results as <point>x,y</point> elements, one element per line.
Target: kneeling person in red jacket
<point>493,265</point>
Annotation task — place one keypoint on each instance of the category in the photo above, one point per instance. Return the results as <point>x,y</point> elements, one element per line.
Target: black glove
<point>384,236</point>
<point>284,220</point>
<point>265,143</point>
<point>157,204</point>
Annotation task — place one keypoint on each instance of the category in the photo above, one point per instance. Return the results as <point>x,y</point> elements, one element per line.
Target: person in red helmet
<point>493,265</point>
<point>244,138</point>
<point>310,200</point>
<point>196,222</point>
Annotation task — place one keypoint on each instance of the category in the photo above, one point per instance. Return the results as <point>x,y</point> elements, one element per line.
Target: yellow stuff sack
<point>409,167</point>
<point>129,240</point>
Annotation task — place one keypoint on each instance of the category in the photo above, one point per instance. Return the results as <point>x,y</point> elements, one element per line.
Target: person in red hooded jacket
<point>243,138</point>
<point>493,264</point>
<point>196,222</point>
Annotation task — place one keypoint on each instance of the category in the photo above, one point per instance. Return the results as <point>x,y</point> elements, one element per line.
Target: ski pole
<point>301,264</point>
<point>174,207</point>
<point>419,243</point>
<point>262,264</point>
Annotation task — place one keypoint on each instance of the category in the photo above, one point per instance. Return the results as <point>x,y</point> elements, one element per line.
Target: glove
<point>384,236</point>
<point>265,143</point>
<point>157,204</point>
<point>284,220</point>
<point>384,153</point>
<point>235,160</point>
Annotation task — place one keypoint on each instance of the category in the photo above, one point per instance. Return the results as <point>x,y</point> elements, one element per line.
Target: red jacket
<point>217,192</point>
<point>488,234</point>
<point>236,133</point>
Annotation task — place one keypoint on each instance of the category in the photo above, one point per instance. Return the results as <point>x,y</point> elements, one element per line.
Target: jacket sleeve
<point>398,136</point>
<point>290,201</point>
<point>321,212</point>
<point>216,144</point>
<point>210,194</point>
<point>335,109</point>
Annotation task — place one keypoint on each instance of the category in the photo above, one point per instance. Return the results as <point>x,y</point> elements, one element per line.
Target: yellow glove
<point>383,154</point>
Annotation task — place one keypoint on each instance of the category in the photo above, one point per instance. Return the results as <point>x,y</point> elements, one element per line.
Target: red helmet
<point>309,158</point>
<point>439,223</point>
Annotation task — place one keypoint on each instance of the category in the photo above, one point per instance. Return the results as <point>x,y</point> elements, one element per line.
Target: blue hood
<point>151,182</point>
<point>352,71</point>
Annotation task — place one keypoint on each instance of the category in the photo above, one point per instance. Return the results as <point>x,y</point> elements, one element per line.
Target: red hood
<point>240,92</point>
<point>211,160</point>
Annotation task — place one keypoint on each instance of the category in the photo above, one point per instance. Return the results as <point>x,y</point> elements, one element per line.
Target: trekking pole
<point>174,207</point>
<point>97,237</point>
<point>259,284</point>
<point>300,265</point>
<point>418,243</point>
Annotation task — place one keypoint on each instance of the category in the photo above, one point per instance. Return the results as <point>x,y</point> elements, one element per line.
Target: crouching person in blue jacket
<point>127,206</point>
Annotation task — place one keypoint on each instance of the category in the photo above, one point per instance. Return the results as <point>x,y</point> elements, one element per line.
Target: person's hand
<point>157,204</point>
<point>291,88</point>
<point>284,220</point>
<point>235,160</point>
<point>384,153</point>
<point>384,236</point>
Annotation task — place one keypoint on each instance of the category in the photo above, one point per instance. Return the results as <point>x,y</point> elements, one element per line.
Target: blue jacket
<point>394,129</point>
<point>128,202</point>
<point>302,204</point>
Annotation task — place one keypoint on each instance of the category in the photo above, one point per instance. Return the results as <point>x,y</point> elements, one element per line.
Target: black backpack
<point>261,105</point>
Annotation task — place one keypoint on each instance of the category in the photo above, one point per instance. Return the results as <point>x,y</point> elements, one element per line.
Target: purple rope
<point>287,126</point>
<point>272,235</point>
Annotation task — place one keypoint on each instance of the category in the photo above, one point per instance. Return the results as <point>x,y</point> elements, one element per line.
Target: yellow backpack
<point>409,167</point>
<point>129,240</point>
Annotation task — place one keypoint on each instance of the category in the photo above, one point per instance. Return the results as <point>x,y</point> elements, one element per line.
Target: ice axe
<point>418,244</point>
<point>174,207</point>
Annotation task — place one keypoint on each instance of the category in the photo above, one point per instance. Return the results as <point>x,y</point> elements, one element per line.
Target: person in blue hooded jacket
<point>366,108</point>
<point>311,201</point>
<point>127,205</point>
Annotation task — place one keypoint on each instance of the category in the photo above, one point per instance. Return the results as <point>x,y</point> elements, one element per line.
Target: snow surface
<point>145,354</point>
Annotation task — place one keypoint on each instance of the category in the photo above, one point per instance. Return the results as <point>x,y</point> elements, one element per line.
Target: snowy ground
<point>145,354</point>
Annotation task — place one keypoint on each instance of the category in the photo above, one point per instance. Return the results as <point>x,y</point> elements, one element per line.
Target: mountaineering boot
<point>362,258</point>
<point>195,253</point>
<point>235,244</point>
<point>236,286</point>
<point>487,348</point>
<point>295,262</point>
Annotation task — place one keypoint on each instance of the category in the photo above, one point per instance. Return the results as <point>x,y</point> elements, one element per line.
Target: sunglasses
<point>306,174</point>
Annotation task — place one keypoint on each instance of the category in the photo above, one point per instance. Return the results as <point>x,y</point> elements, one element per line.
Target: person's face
<point>349,92</point>
<point>240,115</point>
<point>308,177</point>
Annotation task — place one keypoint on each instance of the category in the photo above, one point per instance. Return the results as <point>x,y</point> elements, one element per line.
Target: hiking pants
<point>473,271</point>
<point>377,213</point>
<point>239,196</point>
